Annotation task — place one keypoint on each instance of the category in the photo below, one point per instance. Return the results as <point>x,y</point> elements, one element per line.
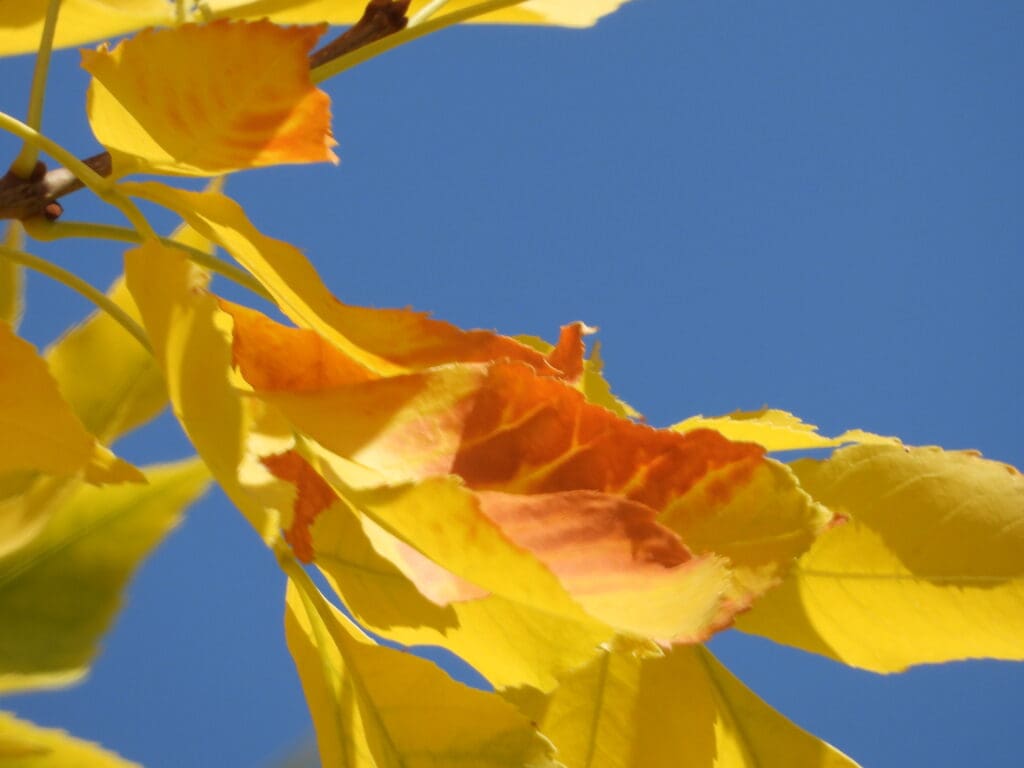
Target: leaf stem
<point>103,186</point>
<point>308,594</point>
<point>59,230</point>
<point>25,162</point>
<point>75,283</point>
<point>337,66</point>
<point>426,12</point>
<point>80,170</point>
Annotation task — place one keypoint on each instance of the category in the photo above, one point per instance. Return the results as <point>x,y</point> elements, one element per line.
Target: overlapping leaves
<point>460,488</point>
<point>82,21</point>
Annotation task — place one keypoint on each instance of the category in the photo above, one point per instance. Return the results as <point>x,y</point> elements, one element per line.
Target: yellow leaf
<point>929,567</point>
<point>444,522</point>
<point>110,381</point>
<point>209,99</point>
<point>636,706</point>
<point>80,21</point>
<point>59,592</point>
<point>567,13</point>
<point>28,501</point>
<point>375,707</point>
<point>39,429</point>
<point>759,523</point>
<point>777,430</point>
<point>509,643</point>
<point>377,341</point>
<point>191,342</point>
<point>23,745</point>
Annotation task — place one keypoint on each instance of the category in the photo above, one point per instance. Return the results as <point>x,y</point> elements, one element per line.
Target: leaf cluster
<point>460,488</point>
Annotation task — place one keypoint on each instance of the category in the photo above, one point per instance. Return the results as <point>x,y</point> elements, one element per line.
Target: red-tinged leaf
<point>610,554</point>
<point>567,356</point>
<point>209,99</point>
<point>502,427</point>
<point>616,560</point>
<point>313,496</point>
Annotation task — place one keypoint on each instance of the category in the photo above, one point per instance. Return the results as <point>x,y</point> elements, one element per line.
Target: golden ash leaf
<point>383,341</point>
<point>929,567</point>
<point>201,100</point>
<point>575,485</point>
<point>566,13</point>
<point>41,431</point>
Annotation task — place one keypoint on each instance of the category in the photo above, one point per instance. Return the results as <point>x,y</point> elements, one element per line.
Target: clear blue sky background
<point>817,206</point>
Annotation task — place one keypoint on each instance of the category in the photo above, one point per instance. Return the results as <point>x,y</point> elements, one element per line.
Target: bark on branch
<point>37,195</point>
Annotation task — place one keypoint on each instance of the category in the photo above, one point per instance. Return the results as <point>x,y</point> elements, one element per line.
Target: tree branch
<point>37,195</point>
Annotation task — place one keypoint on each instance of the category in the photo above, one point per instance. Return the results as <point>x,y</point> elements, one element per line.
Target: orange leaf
<point>530,435</point>
<point>296,359</point>
<point>209,99</point>
<point>290,359</point>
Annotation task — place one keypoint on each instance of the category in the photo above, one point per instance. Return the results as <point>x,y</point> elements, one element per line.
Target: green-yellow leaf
<point>929,567</point>
<point>374,707</point>
<point>110,381</point>
<point>59,592</point>
<point>202,100</point>
<point>23,745</point>
<point>636,706</point>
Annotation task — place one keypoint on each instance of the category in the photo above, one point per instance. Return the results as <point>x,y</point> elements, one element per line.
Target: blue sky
<point>813,206</point>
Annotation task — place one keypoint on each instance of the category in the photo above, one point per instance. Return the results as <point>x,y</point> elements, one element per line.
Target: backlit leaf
<point>190,341</point>
<point>130,390</point>
<point>59,592</point>
<point>929,567</point>
<point>380,341</point>
<point>40,431</point>
<point>381,708</point>
<point>209,99</point>
<point>635,706</point>
<point>569,13</point>
<point>608,552</point>
<point>777,430</point>
<point>508,642</point>
<point>23,745</point>
<point>80,21</point>
<point>503,428</point>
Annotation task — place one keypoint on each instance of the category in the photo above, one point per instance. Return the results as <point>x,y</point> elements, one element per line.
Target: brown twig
<point>380,19</point>
<point>38,194</point>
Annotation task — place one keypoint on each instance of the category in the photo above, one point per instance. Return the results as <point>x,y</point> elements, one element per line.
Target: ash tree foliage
<point>460,488</point>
